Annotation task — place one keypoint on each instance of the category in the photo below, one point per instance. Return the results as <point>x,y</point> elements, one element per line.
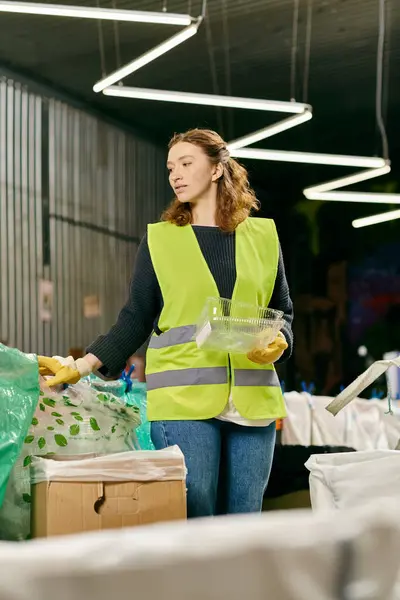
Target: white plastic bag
<point>296,429</point>
<point>309,424</point>
<point>353,479</point>
<point>364,425</point>
<point>287,555</point>
<point>368,425</point>
<point>142,465</point>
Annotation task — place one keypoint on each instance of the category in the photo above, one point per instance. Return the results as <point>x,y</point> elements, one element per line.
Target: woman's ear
<point>218,172</point>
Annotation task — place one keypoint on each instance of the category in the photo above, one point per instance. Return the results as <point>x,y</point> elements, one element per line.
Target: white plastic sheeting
<point>280,556</point>
<point>354,479</point>
<point>142,465</point>
<point>363,425</point>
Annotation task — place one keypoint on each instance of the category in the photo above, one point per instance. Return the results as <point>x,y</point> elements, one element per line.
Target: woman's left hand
<point>270,354</point>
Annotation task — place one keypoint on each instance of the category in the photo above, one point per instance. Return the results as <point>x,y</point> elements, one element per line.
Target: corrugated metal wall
<point>75,197</point>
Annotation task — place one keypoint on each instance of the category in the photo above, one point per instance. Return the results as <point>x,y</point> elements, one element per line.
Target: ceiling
<point>243,49</point>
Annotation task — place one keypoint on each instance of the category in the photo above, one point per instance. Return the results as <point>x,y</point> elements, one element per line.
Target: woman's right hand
<point>64,370</point>
<point>270,354</point>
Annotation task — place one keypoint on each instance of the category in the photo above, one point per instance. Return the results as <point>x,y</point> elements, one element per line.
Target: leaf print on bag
<point>67,402</point>
<point>49,402</point>
<point>77,416</point>
<point>74,429</point>
<point>27,461</point>
<point>56,414</point>
<point>29,439</point>
<point>60,440</point>
<point>93,424</point>
<point>41,443</point>
<point>35,421</point>
<point>60,421</point>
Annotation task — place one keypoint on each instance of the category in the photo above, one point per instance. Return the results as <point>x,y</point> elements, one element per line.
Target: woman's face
<point>191,174</point>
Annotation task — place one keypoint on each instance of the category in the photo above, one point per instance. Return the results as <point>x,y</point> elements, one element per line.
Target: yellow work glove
<point>270,354</point>
<point>64,370</point>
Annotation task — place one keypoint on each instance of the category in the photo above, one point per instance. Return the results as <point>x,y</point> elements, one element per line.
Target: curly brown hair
<point>235,197</point>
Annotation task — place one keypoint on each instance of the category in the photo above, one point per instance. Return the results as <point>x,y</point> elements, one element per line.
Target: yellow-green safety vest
<point>185,382</point>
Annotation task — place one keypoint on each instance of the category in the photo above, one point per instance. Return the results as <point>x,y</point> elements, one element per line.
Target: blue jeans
<point>228,465</point>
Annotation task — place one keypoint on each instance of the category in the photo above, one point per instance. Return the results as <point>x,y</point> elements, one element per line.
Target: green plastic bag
<point>132,394</point>
<point>19,395</point>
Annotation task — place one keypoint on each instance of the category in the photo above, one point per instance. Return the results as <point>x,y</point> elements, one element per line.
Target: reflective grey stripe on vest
<point>183,377</point>
<point>255,377</point>
<point>173,337</point>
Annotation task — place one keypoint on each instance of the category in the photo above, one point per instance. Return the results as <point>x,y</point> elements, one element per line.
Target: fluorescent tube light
<point>147,57</point>
<point>239,148</point>
<point>375,219</point>
<point>269,131</point>
<point>89,12</point>
<point>366,197</point>
<point>330,190</point>
<point>206,99</point>
<point>334,184</point>
<point>309,157</point>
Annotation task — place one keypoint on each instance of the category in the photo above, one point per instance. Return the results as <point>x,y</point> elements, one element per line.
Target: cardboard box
<point>62,506</point>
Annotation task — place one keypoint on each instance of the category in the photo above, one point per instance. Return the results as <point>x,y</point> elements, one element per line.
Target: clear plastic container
<point>236,327</point>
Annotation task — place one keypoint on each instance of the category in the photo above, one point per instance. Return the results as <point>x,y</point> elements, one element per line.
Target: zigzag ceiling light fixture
<point>331,190</point>
<point>301,111</point>
<point>376,167</point>
<point>239,148</point>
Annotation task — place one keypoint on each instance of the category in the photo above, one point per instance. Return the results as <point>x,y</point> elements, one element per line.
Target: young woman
<point>220,409</point>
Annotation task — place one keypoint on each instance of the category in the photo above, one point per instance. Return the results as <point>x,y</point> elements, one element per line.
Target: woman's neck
<point>203,212</point>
